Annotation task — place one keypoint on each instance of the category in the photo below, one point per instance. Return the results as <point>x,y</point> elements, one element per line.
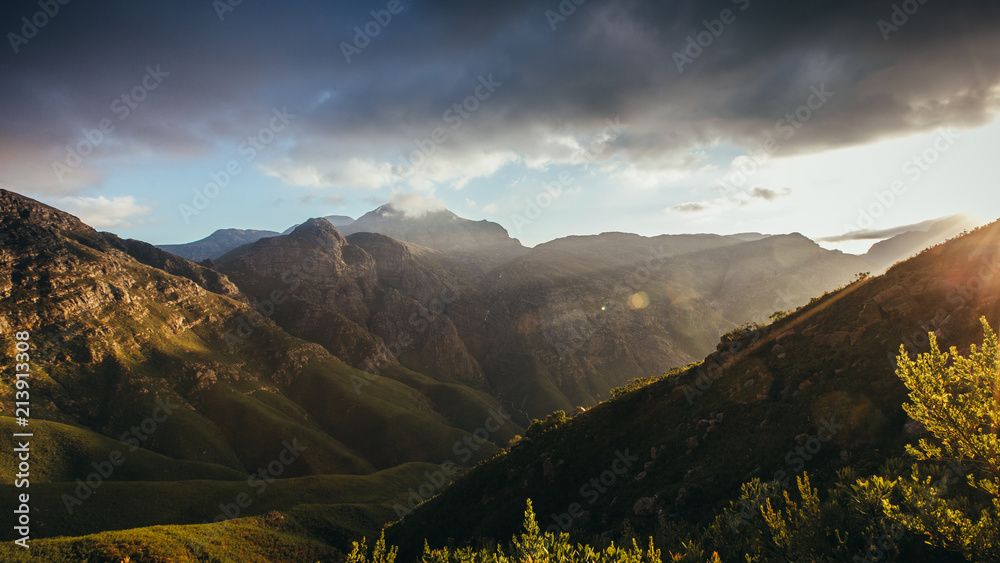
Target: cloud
<point>490,209</point>
<point>554,96</point>
<point>332,173</point>
<point>768,194</point>
<point>692,207</point>
<point>331,199</point>
<point>413,204</point>
<point>738,199</point>
<point>953,222</point>
<point>104,213</point>
<point>455,168</point>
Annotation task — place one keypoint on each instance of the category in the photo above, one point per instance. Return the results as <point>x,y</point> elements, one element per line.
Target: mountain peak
<point>390,211</point>
<point>17,207</point>
<point>484,242</point>
<point>319,231</point>
<point>217,244</point>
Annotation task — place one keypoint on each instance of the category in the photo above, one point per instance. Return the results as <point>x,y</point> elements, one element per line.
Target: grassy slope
<point>65,453</point>
<point>252,540</point>
<point>333,508</point>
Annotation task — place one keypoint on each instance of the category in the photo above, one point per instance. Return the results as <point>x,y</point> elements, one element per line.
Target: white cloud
<point>491,208</point>
<point>470,203</point>
<point>352,173</point>
<point>455,168</point>
<point>331,199</point>
<point>103,213</point>
<point>412,204</point>
<point>738,199</point>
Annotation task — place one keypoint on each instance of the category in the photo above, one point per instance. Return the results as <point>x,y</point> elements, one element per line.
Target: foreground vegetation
<point>945,506</point>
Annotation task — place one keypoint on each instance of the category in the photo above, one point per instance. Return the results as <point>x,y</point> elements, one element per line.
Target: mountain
<point>483,243</point>
<point>575,317</point>
<point>671,452</point>
<point>335,220</point>
<point>216,244</point>
<point>185,376</point>
<point>368,299</point>
<point>902,246</point>
<point>555,327</point>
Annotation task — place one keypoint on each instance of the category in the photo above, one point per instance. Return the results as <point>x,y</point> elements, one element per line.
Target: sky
<point>166,121</point>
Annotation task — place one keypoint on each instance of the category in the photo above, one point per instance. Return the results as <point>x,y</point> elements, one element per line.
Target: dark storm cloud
<point>630,59</point>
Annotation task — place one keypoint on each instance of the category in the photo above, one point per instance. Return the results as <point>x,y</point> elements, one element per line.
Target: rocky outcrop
<point>365,299</point>
<point>150,255</point>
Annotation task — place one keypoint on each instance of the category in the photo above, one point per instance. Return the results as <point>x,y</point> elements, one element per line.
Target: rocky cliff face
<point>152,256</point>
<point>366,300</point>
<point>60,269</point>
<point>551,328</point>
<point>314,285</point>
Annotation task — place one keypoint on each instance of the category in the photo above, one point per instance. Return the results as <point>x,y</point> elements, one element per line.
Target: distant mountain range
<point>216,244</point>
<point>547,328</point>
<point>552,327</point>
<point>488,244</point>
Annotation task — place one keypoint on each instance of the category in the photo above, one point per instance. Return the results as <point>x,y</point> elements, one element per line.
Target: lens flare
<point>638,300</point>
